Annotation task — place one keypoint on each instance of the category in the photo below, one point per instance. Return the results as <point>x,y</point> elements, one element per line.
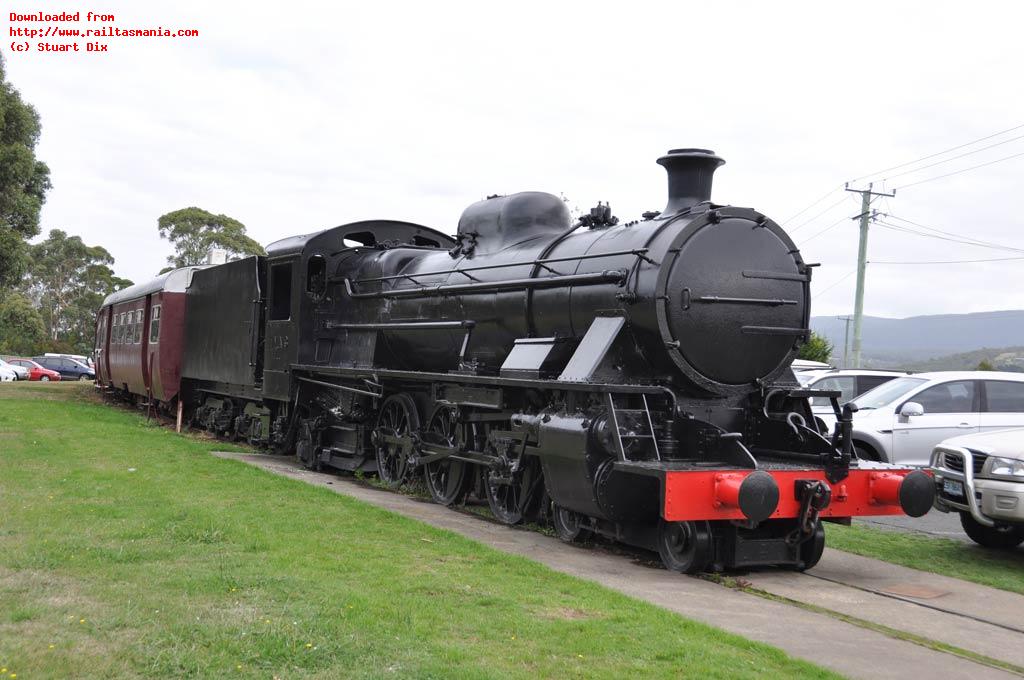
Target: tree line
<point>50,290</point>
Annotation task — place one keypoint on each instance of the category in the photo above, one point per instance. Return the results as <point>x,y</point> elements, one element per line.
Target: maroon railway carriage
<point>139,337</point>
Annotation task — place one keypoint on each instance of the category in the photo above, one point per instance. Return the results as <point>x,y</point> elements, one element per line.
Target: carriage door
<point>100,349</point>
<point>153,347</point>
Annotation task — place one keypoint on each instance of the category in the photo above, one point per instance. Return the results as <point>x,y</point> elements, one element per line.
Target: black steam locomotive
<point>625,379</point>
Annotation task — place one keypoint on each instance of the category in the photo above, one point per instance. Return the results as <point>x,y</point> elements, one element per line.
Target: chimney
<point>690,172</point>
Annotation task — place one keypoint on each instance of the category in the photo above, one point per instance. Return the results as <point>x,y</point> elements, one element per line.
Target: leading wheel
<point>45,378</point>
<point>568,524</point>
<point>447,479</point>
<point>1000,538</point>
<point>812,549</point>
<point>514,496</point>
<point>684,546</point>
<point>396,424</point>
<point>83,378</point>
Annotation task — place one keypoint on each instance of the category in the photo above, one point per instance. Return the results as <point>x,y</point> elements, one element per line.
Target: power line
<point>790,219</point>
<point>939,153</point>
<point>845,277</point>
<point>906,230</point>
<point>950,233</point>
<point>995,259</point>
<point>950,174</point>
<point>826,210</point>
<point>953,158</point>
<point>829,227</point>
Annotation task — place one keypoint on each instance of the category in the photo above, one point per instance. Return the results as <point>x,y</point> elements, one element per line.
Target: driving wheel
<point>447,479</point>
<point>514,495</point>
<point>396,425</point>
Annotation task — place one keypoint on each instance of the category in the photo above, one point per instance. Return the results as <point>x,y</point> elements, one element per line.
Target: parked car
<point>20,373</point>
<point>35,371</point>
<point>981,476</point>
<point>69,369</point>
<point>80,358</point>
<point>902,420</point>
<point>851,383</point>
<point>805,370</point>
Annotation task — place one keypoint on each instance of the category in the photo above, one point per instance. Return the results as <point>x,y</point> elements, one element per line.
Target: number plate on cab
<point>952,487</point>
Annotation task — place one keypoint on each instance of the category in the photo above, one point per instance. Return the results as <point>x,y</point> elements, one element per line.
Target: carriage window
<point>122,329</point>
<point>154,326</point>
<point>281,292</point>
<point>113,331</point>
<point>138,326</point>
<point>316,275</point>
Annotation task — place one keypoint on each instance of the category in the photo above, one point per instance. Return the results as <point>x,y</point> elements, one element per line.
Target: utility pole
<point>846,339</point>
<point>866,195</point>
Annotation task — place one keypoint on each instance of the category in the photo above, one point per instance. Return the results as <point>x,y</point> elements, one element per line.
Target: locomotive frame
<point>629,380</point>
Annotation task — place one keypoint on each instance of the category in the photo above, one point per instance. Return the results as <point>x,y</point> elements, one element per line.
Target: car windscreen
<point>887,393</point>
<point>846,385</point>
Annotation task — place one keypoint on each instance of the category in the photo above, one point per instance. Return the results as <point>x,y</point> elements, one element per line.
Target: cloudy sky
<point>297,116</point>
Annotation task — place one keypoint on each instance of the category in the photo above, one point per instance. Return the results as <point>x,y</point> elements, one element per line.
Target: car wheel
<point>998,537</point>
<point>865,453</point>
<point>45,378</point>
<point>83,377</point>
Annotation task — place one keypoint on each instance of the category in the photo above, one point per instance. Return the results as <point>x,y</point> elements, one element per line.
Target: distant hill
<point>1000,358</point>
<point>918,338</point>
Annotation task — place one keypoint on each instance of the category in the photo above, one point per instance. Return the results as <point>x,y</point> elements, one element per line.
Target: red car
<point>35,371</point>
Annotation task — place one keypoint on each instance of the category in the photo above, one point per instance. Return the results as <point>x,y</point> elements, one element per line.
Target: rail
<point>639,252</point>
<point>610,276</point>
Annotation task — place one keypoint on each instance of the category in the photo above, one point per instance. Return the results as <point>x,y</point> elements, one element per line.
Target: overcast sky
<point>296,116</point>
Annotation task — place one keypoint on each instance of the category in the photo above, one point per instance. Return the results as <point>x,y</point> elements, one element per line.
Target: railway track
<point>859,616</point>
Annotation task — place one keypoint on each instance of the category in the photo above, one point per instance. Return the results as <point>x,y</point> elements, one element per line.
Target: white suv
<point>902,420</point>
<point>981,476</point>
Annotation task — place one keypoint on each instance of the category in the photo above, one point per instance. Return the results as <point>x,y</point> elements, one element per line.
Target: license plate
<point>952,487</point>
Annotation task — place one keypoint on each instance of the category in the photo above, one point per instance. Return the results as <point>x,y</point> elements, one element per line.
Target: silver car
<point>20,372</point>
<point>902,420</point>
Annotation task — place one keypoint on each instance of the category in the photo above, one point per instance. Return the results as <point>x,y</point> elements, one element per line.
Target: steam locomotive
<point>624,379</point>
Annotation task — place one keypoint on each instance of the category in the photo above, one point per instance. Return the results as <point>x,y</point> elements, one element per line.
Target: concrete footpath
<point>983,620</point>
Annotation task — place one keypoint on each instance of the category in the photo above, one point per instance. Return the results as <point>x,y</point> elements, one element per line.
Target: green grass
<point>129,551</point>
<point>998,569</point>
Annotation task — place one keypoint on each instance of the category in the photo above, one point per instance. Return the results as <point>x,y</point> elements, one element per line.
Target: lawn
<point>128,551</point>
<point>998,569</point>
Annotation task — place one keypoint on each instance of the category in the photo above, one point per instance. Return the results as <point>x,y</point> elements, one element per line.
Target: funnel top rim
<point>694,153</point>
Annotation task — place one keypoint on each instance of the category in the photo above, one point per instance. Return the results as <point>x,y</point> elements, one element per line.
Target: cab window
<point>951,397</point>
